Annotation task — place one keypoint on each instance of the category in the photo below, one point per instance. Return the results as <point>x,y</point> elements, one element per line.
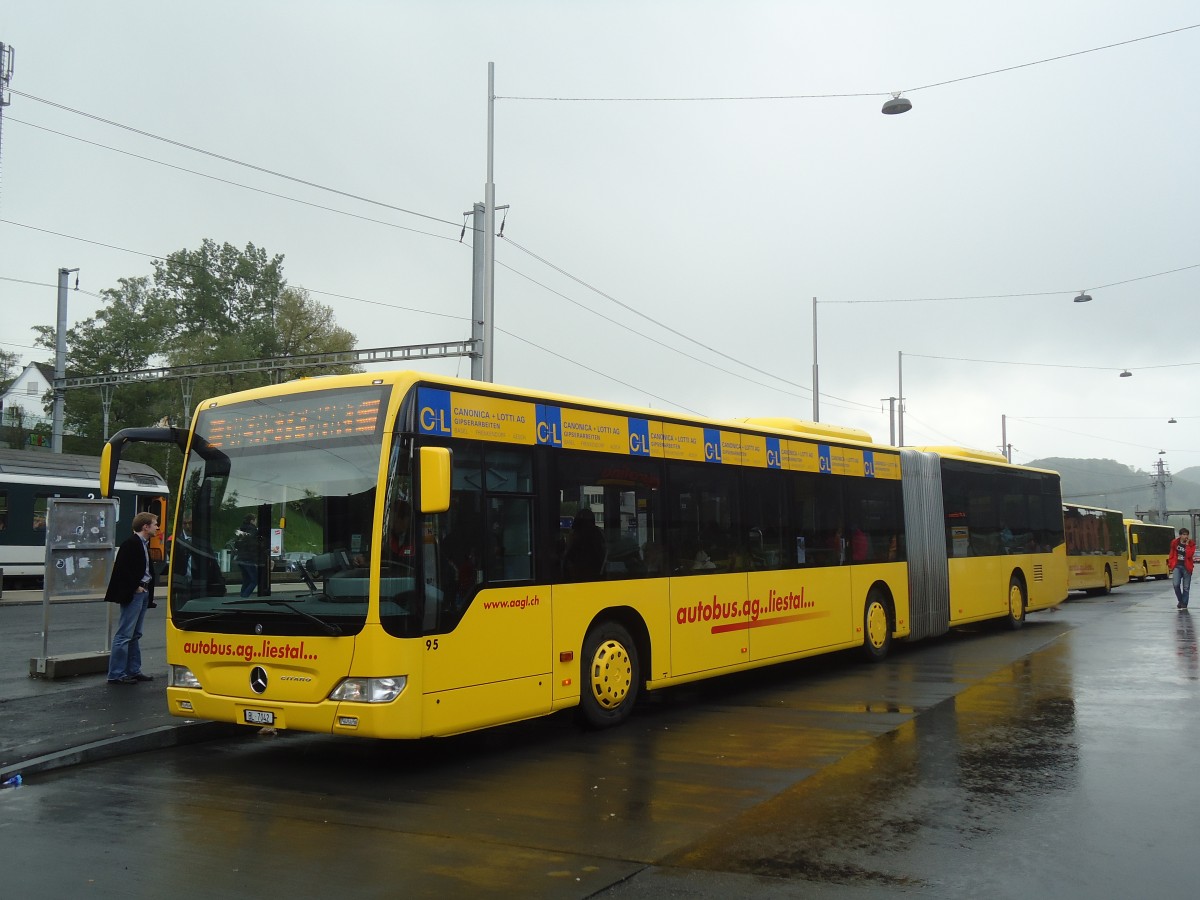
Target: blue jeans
<point>249,577</point>
<point>1181,580</point>
<point>125,658</point>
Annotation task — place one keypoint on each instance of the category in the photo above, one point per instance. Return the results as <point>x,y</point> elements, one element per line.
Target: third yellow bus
<point>1149,546</point>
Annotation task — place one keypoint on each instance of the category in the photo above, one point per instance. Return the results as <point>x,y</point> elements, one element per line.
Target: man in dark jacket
<point>132,586</point>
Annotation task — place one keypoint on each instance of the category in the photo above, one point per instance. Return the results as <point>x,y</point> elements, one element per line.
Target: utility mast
<point>1159,480</point>
<point>6,71</point>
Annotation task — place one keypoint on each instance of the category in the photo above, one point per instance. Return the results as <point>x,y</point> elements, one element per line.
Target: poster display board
<point>81,543</point>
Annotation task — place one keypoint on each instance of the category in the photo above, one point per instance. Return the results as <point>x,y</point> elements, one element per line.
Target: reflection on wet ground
<point>945,778</point>
<point>1185,645</point>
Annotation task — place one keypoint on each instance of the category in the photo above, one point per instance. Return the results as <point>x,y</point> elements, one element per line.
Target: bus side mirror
<point>435,479</point>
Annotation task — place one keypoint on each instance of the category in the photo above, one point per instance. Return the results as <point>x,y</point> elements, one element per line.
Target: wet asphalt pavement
<point>1053,761</point>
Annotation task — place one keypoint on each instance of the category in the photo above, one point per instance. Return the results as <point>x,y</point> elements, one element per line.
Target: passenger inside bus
<point>400,538</point>
<point>696,558</point>
<point>461,554</point>
<point>859,545</point>
<point>653,558</point>
<point>583,558</point>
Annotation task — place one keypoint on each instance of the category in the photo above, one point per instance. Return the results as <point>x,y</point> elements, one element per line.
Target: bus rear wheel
<point>1016,603</point>
<point>877,627</point>
<point>1107,589</point>
<point>610,676</point>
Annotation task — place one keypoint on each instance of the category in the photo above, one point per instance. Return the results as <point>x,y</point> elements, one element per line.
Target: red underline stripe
<point>763,623</point>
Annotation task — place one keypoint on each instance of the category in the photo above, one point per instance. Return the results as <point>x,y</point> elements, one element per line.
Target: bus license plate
<point>259,717</point>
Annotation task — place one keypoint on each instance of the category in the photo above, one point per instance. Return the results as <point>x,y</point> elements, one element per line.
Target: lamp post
<point>892,107</point>
<point>816,388</point>
<point>489,236</point>
<point>60,361</point>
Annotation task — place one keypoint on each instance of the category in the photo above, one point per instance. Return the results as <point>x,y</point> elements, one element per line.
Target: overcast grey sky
<point>1000,196</point>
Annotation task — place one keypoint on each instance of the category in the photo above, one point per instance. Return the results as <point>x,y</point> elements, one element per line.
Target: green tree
<point>209,305</point>
<point>220,301</point>
<point>10,367</point>
<point>305,326</point>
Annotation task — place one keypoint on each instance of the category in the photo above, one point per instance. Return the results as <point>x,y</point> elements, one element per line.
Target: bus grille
<point>1037,572</point>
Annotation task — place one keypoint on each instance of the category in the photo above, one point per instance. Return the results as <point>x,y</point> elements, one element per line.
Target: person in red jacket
<point>1180,561</point>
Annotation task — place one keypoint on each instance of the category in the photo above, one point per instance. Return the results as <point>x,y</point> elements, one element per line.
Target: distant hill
<point>1192,473</point>
<point>1108,483</point>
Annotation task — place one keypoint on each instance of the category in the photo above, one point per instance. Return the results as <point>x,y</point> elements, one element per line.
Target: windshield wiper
<point>328,627</point>
<point>192,623</point>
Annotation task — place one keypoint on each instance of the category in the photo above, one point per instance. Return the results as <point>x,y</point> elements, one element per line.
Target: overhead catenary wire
<point>245,187</point>
<point>669,328</point>
<point>233,161</point>
<point>855,94</point>
<point>1009,362</point>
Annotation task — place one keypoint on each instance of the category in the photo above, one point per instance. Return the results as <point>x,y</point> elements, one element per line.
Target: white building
<point>26,393</point>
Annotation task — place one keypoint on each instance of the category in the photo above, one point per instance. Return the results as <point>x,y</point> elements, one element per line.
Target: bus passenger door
<point>158,506</point>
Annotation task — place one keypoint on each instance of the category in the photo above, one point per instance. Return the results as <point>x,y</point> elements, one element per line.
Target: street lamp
<point>1126,374</point>
<point>1083,298</point>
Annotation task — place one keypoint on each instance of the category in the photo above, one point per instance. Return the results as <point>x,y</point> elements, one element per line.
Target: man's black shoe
<point>128,679</point>
<point>142,676</point>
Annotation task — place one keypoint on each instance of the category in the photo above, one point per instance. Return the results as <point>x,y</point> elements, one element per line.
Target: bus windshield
<point>273,537</point>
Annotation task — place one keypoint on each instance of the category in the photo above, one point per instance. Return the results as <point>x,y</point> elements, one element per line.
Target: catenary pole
<point>60,361</point>
<point>489,236</point>
<point>816,389</point>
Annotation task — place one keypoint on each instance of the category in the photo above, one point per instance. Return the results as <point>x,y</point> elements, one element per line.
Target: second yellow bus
<point>1096,557</point>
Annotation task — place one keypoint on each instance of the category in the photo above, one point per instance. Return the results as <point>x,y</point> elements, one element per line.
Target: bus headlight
<point>182,676</point>
<point>370,690</point>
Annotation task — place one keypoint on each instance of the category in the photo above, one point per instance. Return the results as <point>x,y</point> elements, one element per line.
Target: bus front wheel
<point>1016,603</point>
<point>877,627</point>
<point>610,676</point>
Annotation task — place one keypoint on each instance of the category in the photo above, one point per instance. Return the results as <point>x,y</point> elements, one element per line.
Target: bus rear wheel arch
<point>877,624</point>
<point>610,675</point>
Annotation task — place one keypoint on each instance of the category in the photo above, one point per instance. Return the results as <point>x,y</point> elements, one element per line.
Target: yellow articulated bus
<point>469,554</point>
<point>1149,546</point>
<point>1096,557</point>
